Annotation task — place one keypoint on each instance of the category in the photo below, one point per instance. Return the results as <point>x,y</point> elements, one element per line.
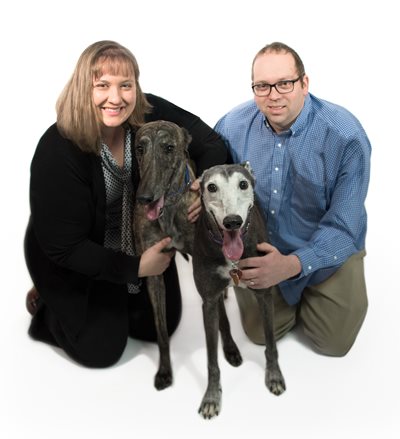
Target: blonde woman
<point>87,296</point>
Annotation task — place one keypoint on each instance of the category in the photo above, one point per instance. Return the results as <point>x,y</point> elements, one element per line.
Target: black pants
<point>112,316</point>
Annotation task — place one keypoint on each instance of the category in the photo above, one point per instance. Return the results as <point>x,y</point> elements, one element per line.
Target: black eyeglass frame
<point>271,86</point>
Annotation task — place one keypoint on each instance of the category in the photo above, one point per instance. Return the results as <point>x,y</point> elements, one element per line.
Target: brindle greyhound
<point>163,198</point>
<point>228,229</point>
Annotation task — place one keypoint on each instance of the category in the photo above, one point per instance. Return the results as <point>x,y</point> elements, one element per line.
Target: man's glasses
<point>264,89</point>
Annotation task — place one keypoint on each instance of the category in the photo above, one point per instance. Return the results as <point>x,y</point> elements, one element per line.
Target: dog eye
<point>140,149</point>
<point>168,148</point>
<point>141,146</point>
<point>243,185</point>
<point>212,187</point>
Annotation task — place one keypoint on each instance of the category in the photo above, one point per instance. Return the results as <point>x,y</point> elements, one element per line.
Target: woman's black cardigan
<point>64,243</point>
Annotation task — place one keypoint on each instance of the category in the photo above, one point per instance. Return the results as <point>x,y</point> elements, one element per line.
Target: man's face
<point>281,110</point>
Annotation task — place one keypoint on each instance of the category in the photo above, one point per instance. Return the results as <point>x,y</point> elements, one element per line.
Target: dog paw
<point>211,405</point>
<point>232,355</point>
<point>275,382</point>
<point>162,380</point>
<point>209,409</point>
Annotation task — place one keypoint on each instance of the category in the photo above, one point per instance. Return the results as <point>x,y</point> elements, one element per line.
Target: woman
<point>78,244</point>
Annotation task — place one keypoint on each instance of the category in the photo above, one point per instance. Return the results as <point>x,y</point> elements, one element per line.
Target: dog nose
<point>232,222</point>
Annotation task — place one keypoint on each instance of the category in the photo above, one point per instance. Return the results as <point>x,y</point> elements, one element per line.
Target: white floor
<point>203,65</point>
<point>45,395</point>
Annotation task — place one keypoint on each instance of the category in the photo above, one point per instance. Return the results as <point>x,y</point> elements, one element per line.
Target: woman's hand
<point>154,261</point>
<point>195,208</point>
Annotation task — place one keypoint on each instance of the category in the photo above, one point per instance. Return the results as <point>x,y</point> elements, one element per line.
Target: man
<point>311,160</point>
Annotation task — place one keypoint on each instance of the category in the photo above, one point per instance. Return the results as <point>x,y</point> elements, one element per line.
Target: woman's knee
<point>98,356</point>
<point>99,360</point>
<point>94,347</point>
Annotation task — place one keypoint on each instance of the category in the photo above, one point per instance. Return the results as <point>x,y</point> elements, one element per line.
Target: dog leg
<point>231,351</point>
<point>273,376</point>
<point>156,289</point>
<point>211,404</point>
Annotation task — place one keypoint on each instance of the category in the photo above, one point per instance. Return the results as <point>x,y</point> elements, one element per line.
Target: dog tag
<point>236,275</point>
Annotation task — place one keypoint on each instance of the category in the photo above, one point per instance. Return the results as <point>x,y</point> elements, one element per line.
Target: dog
<point>163,197</point>
<point>229,227</point>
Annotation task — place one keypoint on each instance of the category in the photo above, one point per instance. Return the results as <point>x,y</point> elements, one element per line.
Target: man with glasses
<point>311,161</point>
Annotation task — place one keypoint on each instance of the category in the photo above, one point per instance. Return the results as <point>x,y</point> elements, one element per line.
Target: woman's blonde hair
<point>77,116</point>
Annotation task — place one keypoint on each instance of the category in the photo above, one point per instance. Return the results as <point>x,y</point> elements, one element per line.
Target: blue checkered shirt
<point>311,182</point>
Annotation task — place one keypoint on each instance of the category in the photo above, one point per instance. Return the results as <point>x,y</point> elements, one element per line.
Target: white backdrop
<point>198,55</point>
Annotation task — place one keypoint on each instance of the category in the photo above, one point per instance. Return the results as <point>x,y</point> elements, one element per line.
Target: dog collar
<point>173,197</point>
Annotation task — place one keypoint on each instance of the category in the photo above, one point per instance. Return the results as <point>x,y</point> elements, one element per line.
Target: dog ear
<point>187,138</point>
<point>246,165</point>
<point>200,178</point>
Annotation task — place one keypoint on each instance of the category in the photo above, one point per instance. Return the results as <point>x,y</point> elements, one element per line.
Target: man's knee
<point>337,340</point>
<point>250,314</point>
<point>332,347</point>
<point>333,311</point>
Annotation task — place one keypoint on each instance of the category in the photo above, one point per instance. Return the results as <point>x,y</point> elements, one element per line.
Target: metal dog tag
<point>236,275</point>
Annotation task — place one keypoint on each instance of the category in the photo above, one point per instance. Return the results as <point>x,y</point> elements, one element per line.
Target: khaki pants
<point>331,313</point>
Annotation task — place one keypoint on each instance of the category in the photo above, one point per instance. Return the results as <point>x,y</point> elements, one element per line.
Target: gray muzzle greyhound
<point>228,229</point>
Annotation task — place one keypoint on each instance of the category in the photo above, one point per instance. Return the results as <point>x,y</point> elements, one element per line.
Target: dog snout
<point>232,222</point>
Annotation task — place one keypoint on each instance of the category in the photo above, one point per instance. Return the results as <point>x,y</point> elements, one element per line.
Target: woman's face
<point>115,98</point>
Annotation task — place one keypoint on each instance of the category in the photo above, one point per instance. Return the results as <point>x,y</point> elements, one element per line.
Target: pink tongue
<point>232,246</point>
<point>153,209</point>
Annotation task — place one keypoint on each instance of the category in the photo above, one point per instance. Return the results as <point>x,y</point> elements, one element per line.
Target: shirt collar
<point>301,120</point>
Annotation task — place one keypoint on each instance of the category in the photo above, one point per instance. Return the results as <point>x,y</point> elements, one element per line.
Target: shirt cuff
<point>311,262</point>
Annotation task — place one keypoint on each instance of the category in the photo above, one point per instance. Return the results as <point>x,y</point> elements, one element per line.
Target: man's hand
<point>270,269</point>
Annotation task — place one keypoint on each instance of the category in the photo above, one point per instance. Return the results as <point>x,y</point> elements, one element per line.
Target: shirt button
<point>279,145</point>
<point>275,191</point>
<point>276,168</point>
<point>309,267</point>
<point>335,257</point>
<point>273,212</point>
